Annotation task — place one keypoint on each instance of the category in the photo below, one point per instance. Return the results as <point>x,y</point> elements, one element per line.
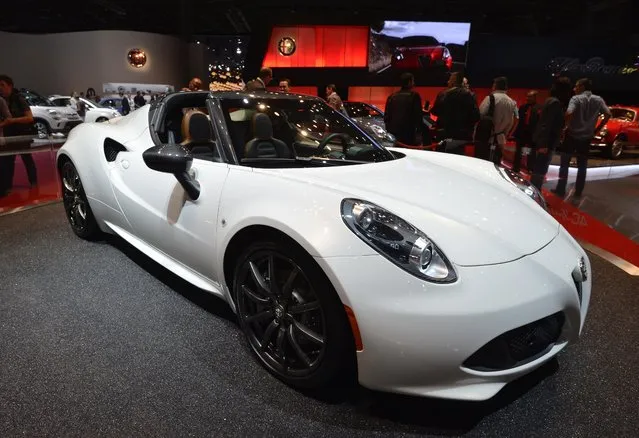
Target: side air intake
<point>112,148</point>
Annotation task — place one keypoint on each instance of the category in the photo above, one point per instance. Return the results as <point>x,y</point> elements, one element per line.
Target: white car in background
<point>48,118</point>
<point>94,111</point>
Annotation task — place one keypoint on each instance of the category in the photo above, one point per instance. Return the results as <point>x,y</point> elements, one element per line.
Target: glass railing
<point>28,175</point>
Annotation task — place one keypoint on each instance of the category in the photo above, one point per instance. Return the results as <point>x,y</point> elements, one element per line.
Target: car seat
<point>197,134</point>
<point>263,145</point>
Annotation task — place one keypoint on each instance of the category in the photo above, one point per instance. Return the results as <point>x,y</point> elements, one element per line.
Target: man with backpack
<point>499,118</point>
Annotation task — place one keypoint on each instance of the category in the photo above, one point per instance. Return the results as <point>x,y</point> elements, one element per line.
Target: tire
<point>298,330</point>
<point>76,205</point>
<point>43,129</point>
<point>101,119</point>
<point>615,150</point>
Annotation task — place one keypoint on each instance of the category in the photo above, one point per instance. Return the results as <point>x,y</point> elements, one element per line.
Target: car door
<point>190,226</point>
<point>161,214</point>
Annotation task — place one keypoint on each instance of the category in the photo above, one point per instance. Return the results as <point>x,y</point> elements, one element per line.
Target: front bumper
<point>65,125</point>
<point>417,335</point>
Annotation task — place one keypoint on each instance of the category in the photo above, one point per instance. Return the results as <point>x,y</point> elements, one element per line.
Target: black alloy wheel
<point>76,204</point>
<point>292,318</point>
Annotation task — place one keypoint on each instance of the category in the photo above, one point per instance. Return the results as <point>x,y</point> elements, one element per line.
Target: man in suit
<point>528,118</point>
<point>262,80</point>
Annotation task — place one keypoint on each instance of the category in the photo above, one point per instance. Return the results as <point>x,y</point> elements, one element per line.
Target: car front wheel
<point>615,150</point>
<point>291,316</point>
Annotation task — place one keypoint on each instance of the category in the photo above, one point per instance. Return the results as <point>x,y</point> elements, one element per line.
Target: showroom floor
<point>98,340</point>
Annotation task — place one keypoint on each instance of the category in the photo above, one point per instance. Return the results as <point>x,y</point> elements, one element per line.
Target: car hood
<point>463,204</point>
<point>616,124</point>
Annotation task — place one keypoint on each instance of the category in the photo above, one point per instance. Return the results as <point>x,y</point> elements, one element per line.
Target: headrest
<point>262,126</point>
<point>196,127</point>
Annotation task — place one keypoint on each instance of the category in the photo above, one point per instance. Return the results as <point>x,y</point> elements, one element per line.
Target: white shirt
<point>506,112</point>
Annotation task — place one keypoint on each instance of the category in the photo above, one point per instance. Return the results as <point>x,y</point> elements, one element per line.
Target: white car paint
<point>94,113</point>
<point>513,260</point>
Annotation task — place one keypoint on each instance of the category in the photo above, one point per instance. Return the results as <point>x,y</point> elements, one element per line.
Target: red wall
<point>377,95</point>
<point>320,46</point>
<point>312,91</point>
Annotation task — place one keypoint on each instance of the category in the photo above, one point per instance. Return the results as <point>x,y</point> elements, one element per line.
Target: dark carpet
<point>96,340</point>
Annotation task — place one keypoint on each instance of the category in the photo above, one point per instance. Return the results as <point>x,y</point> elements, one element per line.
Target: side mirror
<point>174,159</point>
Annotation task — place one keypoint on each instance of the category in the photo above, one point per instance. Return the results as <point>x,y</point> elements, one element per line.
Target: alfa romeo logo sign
<point>286,46</point>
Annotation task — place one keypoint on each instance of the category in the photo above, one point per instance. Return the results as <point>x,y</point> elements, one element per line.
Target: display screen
<point>429,50</point>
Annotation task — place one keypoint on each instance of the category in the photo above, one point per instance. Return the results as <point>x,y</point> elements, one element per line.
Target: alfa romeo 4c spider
<point>414,272</point>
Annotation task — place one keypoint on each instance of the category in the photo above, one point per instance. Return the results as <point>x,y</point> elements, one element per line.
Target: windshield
<point>358,109</point>
<point>34,99</point>
<point>309,127</point>
<point>622,113</point>
<point>416,41</point>
<point>91,104</point>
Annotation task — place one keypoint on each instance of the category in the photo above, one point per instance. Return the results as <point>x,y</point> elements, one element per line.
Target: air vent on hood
<point>112,148</point>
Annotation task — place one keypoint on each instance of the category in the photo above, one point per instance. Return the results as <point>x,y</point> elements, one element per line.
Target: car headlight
<point>398,241</point>
<point>522,184</point>
<point>604,131</point>
<point>378,131</point>
<point>381,133</point>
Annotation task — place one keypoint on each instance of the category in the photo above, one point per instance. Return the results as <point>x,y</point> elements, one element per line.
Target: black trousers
<point>572,146</point>
<point>530,162</point>
<point>540,168</point>
<point>7,170</point>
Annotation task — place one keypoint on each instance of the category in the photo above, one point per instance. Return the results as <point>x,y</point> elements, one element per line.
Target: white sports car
<point>417,272</point>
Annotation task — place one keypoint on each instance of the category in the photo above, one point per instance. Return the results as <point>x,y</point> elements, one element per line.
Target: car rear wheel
<point>101,119</point>
<point>615,150</point>
<point>76,204</point>
<point>292,317</point>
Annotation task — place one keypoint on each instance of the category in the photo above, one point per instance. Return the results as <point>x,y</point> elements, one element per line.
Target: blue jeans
<point>572,146</point>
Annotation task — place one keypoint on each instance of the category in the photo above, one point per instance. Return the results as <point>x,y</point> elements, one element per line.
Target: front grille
<point>518,346</point>
<point>425,61</point>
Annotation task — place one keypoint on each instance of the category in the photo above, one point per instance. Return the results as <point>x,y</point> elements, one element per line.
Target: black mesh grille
<point>112,148</point>
<point>579,286</point>
<point>519,346</point>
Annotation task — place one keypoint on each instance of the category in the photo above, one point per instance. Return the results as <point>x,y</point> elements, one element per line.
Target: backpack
<point>484,130</point>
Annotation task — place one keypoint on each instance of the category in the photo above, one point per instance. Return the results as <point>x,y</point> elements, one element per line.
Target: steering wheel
<point>343,137</point>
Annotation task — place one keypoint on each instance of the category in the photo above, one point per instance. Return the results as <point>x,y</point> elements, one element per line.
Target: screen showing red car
<point>426,49</point>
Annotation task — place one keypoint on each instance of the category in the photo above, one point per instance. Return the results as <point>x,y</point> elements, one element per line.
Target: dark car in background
<point>370,119</point>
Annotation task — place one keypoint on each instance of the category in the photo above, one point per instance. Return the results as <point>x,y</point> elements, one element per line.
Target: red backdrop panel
<point>309,90</point>
<point>320,46</point>
<point>377,95</point>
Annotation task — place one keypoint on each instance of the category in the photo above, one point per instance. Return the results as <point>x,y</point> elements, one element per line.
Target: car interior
<point>185,121</point>
<point>261,137</point>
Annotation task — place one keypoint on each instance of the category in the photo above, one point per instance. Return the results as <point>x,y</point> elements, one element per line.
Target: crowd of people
<point>564,124</point>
